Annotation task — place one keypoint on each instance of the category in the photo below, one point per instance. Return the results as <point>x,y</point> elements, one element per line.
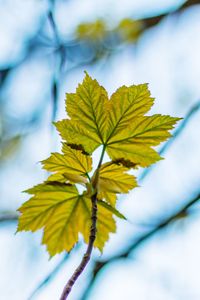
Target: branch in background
<point>59,62</point>
<point>190,3</point>
<point>99,265</point>
<point>149,22</point>
<point>8,217</point>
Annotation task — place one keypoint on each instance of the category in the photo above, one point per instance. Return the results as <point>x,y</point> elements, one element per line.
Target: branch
<point>99,265</point>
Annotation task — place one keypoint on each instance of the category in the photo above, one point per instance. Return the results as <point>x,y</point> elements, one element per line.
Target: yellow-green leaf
<point>139,154</point>
<point>113,179</point>
<point>73,164</point>
<point>64,214</point>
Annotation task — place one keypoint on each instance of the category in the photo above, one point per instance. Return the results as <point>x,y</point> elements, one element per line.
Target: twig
<point>59,60</point>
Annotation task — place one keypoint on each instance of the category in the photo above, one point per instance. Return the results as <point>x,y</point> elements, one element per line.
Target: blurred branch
<point>190,3</point>
<point>7,217</point>
<point>59,62</point>
<point>99,265</point>
<point>149,22</point>
<point>54,27</point>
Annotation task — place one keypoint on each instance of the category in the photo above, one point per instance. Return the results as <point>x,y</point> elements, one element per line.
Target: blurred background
<point>44,48</point>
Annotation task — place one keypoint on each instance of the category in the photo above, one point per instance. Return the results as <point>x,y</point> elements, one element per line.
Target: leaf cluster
<point>119,125</point>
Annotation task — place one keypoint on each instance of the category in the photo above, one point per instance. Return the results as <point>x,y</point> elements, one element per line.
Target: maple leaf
<point>113,180</point>
<point>63,213</point>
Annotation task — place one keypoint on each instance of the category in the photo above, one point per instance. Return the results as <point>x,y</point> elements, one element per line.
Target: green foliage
<point>92,31</point>
<point>119,125</point>
<point>127,30</point>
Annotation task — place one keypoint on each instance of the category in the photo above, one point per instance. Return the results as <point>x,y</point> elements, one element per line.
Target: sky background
<point>167,57</point>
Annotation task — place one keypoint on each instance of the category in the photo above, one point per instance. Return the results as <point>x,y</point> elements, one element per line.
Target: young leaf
<point>74,133</point>
<point>113,179</point>
<point>64,214</point>
<point>134,142</point>
<point>73,164</point>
